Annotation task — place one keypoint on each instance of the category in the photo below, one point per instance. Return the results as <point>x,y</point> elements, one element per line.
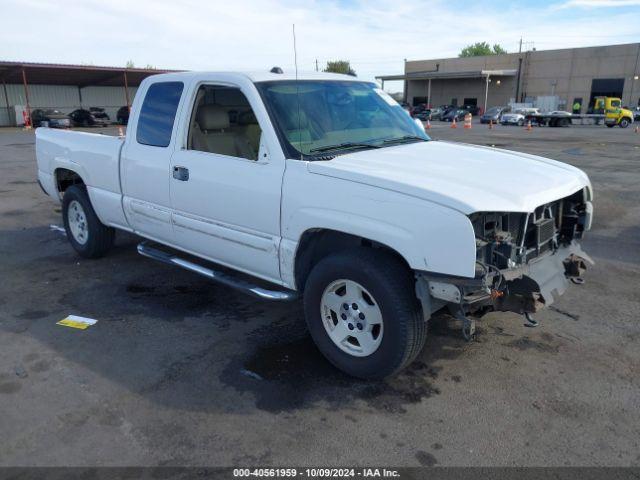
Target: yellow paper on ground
<point>75,321</point>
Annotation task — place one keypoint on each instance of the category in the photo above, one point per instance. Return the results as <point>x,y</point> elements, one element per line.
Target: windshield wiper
<point>404,139</point>
<point>342,146</point>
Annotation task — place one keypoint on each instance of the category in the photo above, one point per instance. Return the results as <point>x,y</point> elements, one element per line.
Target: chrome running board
<point>218,276</point>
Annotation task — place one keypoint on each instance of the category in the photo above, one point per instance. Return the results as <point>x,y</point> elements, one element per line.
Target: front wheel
<point>362,312</point>
<point>624,123</point>
<point>87,235</point>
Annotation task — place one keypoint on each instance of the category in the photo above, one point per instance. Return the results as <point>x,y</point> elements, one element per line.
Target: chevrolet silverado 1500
<point>322,187</point>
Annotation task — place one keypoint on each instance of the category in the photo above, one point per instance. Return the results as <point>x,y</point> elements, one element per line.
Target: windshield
<point>320,116</point>
<point>493,111</point>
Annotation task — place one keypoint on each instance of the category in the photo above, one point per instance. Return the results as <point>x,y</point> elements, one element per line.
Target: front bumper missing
<point>525,289</point>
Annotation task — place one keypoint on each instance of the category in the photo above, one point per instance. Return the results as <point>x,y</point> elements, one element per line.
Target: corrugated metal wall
<point>65,98</point>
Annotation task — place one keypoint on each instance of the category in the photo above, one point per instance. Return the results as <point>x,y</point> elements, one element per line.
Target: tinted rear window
<point>158,113</point>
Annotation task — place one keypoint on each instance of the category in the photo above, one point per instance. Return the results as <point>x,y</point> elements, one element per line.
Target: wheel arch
<point>65,177</point>
<point>317,243</point>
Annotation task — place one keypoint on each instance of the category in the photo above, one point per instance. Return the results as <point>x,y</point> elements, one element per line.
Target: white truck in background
<point>322,187</point>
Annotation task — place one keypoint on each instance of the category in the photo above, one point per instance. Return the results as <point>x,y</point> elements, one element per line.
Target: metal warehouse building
<point>30,86</point>
<point>551,79</point>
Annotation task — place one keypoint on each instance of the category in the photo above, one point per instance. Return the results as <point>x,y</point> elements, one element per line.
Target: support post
<point>126,91</point>
<point>26,93</point>
<point>486,92</point>
<point>429,94</point>
<point>6,100</point>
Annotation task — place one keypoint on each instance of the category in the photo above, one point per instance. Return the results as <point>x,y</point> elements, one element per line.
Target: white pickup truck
<point>322,187</point>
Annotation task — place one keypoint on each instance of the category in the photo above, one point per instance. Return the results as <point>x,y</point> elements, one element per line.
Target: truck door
<point>225,185</point>
<point>145,165</point>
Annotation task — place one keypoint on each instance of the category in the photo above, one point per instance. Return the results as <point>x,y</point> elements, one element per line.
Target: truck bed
<point>95,157</point>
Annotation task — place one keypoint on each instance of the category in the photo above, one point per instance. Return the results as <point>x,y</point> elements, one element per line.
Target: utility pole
<point>520,47</point>
<point>316,64</point>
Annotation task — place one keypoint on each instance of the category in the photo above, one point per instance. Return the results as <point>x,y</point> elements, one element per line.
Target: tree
<point>130,64</point>
<point>340,66</point>
<point>481,48</point>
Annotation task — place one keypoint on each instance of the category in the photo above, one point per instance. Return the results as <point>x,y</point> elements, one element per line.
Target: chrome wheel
<point>352,318</point>
<point>78,222</point>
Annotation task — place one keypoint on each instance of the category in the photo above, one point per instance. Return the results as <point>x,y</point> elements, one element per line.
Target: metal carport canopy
<point>78,75</point>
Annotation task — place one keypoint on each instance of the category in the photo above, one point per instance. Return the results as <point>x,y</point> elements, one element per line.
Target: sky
<point>375,36</point>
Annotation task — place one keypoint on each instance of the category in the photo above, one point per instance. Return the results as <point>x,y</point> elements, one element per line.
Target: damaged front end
<point>524,261</point>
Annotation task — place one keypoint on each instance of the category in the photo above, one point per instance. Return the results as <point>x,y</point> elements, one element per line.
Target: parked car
<point>493,115</point>
<point>50,118</point>
<point>101,116</point>
<point>422,112</point>
<point>513,118</point>
<point>436,113</point>
<point>636,113</point>
<point>122,115</point>
<point>424,115</point>
<point>327,193</point>
<point>419,108</point>
<point>457,113</point>
<point>560,113</point>
<point>86,118</point>
<point>472,109</point>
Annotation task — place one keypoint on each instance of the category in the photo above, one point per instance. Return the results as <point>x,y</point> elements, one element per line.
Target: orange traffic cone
<point>120,132</point>
<point>490,124</point>
<point>467,121</point>
<point>453,123</point>
<point>528,126</point>
<point>428,125</point>
<point>636,130</point>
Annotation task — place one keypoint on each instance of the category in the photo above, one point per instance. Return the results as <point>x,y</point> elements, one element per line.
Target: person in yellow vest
<point>576,107</point>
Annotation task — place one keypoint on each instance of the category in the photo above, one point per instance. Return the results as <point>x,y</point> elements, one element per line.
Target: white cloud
<point>375,35</point>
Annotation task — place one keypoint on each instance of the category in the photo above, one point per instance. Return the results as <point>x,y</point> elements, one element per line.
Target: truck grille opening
<point>505,240</point>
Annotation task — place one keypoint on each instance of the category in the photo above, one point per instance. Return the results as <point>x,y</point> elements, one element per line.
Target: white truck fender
<point>430,237</point>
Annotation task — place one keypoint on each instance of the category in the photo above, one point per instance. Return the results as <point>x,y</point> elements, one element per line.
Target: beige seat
<point>212,133</point>
<point>250,129</point>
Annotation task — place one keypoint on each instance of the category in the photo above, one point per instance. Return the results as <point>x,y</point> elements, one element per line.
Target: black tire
<point>392,285</point>
<point>624,123</point>
<point>100,237</point>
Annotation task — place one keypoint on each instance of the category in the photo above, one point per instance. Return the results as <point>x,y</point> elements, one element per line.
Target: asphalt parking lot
<point>179,371</point>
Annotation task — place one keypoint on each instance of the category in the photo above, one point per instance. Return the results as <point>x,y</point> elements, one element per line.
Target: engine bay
<point>507,240</point>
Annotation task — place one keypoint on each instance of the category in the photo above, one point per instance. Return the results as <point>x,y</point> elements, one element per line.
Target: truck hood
<point>464,177</point>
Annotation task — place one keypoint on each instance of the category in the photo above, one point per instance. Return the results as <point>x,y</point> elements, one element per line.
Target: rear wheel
<point>362,313</point>
<point>87,235</point>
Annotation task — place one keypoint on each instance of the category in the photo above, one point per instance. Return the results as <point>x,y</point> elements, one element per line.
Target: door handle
<point>181,173</point>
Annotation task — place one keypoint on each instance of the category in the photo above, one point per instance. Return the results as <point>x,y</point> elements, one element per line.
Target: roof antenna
<point>295,61</point>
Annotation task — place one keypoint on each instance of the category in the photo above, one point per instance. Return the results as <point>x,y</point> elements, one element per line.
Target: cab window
<point>158,113</point>
<point>223,122</point>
